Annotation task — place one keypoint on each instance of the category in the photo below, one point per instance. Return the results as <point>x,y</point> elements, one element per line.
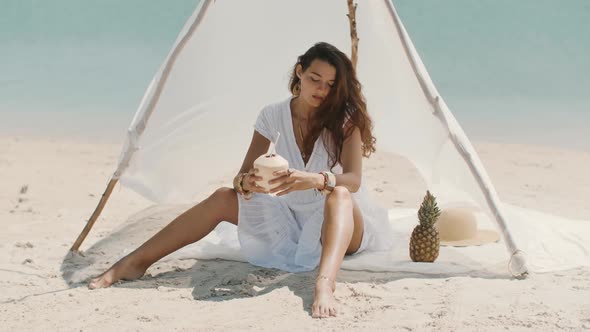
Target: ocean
<point>511,71</point>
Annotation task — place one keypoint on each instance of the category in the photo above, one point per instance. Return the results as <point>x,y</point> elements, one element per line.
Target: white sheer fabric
<point>234,57</point>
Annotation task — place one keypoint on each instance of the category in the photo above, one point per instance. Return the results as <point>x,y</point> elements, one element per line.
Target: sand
<point>50,187</point>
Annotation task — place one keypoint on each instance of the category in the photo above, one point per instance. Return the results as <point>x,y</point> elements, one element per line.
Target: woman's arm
<point>352,162</point>
<point>258,146</point>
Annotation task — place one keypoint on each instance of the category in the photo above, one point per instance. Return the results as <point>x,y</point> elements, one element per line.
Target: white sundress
<point>284,232</point>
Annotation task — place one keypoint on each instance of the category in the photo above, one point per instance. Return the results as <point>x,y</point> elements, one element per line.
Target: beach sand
<point>50,187</point>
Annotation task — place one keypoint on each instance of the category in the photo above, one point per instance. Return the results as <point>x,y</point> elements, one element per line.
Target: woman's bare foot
<point>125,269</point>
<point>324,303</point>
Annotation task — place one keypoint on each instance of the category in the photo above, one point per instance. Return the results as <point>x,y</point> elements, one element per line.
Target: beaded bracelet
<point>238,186</point>
<point>325,180</point>
<point>320,191</point>
<point>245,193</point>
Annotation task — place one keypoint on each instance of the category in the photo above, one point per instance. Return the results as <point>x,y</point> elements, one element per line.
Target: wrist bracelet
<point>318,190</point>
<point>329,182</point>
<point>246,193</point>
<point>237,180</point>
<point>325,180</point>
<point>239,186</point>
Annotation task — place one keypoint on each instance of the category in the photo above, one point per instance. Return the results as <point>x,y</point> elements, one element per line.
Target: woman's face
<point>316,81</point>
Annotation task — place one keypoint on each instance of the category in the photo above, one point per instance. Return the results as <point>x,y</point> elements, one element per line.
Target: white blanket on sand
<point>559,244</point>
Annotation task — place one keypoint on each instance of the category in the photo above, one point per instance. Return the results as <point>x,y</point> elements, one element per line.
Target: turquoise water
<point>74,66</point>
<point>513,71</point>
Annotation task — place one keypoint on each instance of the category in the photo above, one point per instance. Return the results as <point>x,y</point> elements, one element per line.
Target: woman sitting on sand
<point>316,217</point>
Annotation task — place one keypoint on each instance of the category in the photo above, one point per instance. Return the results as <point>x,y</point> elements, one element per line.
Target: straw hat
<point>458,227</point>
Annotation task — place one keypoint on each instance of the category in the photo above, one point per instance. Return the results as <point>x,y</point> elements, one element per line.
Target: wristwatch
<point>329,182</point>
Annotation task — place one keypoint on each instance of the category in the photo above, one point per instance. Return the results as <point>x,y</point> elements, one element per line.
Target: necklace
<point>303,154</point>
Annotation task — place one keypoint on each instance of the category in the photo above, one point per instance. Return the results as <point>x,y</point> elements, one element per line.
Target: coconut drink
<point>269,163</point>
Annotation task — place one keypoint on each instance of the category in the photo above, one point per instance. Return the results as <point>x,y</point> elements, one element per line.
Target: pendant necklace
<point>303,154</point>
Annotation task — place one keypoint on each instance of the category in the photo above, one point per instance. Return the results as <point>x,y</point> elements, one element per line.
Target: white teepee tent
<point>234,57</point>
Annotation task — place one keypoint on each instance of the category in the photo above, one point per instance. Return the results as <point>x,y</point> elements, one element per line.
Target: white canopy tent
<point>233,57</point>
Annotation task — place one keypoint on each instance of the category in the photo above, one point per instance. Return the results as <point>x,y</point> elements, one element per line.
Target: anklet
<point>326,278</point>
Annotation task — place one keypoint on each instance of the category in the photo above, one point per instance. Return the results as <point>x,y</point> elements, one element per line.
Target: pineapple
<point>425,241</point>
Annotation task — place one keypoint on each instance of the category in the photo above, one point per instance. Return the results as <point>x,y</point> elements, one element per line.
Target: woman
<point>316,217</point>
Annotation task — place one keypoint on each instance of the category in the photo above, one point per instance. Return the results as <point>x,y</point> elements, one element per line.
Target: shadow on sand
<point>213,279</point>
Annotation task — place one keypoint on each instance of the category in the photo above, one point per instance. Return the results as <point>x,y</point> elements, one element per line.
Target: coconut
<point>267,164</point>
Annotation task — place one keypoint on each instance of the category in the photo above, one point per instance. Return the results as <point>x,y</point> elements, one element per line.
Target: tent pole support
<point>95,215</point>
<point>353,36</point>
<point>439,106</point>
<point>140,126</point>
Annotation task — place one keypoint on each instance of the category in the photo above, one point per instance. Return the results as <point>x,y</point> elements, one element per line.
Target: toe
<point>314,311</point>
<point>325,313</point>
<point>333,312</point>
<point>94,284</point>
<point>100,282</point>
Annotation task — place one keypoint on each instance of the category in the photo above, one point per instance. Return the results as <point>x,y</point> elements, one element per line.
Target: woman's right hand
<point>249,182</point>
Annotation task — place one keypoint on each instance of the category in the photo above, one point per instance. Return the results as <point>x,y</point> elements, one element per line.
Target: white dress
<point>284,232</point>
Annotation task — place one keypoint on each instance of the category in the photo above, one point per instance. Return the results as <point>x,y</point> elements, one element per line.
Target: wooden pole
<point>140,126</point>
<point>94,217</point>
<point>463,148</point>
<point>353,36</point>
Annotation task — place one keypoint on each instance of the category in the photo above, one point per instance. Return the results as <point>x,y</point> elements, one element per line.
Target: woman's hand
<point>292,180</point>
<point>249,182</point>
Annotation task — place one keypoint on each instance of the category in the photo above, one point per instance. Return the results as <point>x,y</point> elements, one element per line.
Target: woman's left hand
<point>293,180</point>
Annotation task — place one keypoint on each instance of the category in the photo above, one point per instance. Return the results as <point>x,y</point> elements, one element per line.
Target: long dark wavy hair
<point>344,101</point>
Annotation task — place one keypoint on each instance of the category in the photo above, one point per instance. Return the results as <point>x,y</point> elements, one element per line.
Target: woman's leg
<point>189,227</point>
<point>342,233</point>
